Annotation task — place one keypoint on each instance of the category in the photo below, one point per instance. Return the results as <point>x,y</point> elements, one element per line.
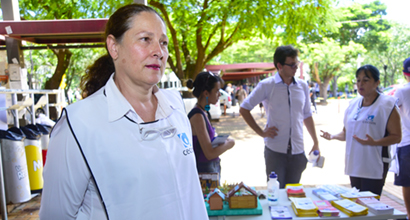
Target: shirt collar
<point>278,79</point>
<point>118,106</point>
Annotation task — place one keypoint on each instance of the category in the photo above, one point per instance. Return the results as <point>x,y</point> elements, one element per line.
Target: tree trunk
<point>334,84</point>
<point>323,89</point>
<point>63,57</point>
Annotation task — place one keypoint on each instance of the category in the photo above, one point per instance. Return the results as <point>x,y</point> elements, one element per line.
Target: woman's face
<point>140,57</point>
<point>366,85</point>
<point>213,96</point>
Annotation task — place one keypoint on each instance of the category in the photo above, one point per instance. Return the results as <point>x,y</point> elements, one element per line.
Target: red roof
<point>55,31</point>
<point>241,70</point>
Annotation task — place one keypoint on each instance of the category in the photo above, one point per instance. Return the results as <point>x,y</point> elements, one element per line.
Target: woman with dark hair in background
<point>371,124</point>
<point>206,89</point>
<point>124,152</point>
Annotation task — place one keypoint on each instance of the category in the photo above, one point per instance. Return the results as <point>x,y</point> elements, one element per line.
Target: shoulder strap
<point>196,110</point>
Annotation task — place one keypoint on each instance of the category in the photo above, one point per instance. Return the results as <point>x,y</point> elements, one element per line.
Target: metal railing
<point>29,103</point>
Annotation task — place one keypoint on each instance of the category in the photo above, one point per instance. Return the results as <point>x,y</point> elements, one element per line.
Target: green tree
<point>360,23</point>
<point>200,30</point>
<point>63,9</point>
<point>397,41</point>
<point>247,51</point>
<point>327,59</point>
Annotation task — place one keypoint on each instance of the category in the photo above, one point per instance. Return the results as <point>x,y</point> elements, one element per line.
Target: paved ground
<point>245,162</point>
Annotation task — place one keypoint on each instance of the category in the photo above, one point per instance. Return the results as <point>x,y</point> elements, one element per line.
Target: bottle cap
<point>273,175</point>
<point>316,152</point>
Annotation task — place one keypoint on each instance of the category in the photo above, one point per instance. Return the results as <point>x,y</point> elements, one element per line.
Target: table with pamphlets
<point>284,201</point>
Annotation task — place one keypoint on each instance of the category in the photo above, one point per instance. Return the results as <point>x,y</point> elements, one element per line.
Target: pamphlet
<point>220,139</point>
<point>280,212</point>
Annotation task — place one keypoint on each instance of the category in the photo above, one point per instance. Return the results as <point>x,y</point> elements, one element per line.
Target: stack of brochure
<point>323,194</point>
<point>304,207</point>
<point>335,190</point>
<point>325,208</point>
<point>280,212</point>
<point>350,208</point>
<point>295,190</point>
<point>355,195</point>
<point>375,206</point>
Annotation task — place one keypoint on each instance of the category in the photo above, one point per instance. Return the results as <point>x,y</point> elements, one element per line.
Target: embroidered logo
<point>370,118</point>
<point>187,144</point>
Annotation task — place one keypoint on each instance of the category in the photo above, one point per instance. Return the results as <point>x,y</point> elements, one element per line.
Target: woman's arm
<point>199,129</point>
<point>393,132</point>
<point>66,176</point>
<point>341,136</point>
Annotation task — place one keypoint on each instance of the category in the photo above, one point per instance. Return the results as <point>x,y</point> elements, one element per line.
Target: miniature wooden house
<point>242,197</point>
<point>216,200</point>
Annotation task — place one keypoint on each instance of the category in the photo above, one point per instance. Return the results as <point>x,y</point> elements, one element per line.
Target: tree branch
<point>175,41</point>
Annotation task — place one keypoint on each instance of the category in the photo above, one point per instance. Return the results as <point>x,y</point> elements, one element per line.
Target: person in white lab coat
<point>125,151</point>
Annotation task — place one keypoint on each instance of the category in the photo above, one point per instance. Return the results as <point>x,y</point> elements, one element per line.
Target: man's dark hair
<point>282,52</point>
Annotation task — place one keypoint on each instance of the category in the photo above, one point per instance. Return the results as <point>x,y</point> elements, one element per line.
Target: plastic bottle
<point>273,189</point>
<point>313,156</point>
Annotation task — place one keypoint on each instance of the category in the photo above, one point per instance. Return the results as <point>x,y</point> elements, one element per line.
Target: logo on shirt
<point>187,144</point>
<point>369,120</point>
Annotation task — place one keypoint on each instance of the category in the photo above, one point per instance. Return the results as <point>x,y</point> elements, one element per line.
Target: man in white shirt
<point>403,149</point>
<point>287,104</point>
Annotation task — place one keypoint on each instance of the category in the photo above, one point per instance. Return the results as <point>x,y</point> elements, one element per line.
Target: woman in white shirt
<point>125,151</point>
<point>371,124</point>
<point>403,149</point>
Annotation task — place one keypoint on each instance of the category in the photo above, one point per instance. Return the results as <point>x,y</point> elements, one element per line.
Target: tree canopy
<point>200,30</point>
<point>327,59</point>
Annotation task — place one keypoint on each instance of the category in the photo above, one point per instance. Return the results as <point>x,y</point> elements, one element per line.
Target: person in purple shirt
<point>206,89</point>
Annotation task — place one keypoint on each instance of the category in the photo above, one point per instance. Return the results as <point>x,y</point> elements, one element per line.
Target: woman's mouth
<point>153,66</point>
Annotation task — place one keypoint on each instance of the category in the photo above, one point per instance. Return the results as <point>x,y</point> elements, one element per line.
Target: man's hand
<point>368,141</point>
<point>315,147</point>
<point>270,132</point>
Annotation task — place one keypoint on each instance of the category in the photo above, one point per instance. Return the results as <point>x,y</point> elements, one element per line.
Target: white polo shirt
<point>286,108</point>
<point>99,167</point>
<point>403,96</point>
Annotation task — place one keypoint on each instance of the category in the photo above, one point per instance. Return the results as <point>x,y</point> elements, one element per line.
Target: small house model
<point>242,197</point>
<point>216,200</point>
<point>209,181</point>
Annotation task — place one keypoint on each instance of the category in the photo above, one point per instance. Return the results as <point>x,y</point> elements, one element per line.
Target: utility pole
<point>385,76</point>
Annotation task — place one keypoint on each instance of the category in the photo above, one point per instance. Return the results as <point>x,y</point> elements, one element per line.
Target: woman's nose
<point>158,50</point>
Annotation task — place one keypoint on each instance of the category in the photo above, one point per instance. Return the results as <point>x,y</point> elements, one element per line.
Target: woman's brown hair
<point>97,75</point>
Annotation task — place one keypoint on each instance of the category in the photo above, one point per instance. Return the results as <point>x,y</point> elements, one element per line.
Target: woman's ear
<point>205,93</point>
<point>112,47</point>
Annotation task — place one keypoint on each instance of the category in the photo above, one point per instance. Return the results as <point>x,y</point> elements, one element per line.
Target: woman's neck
<point>201,103</point>
<point>369,99</point>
